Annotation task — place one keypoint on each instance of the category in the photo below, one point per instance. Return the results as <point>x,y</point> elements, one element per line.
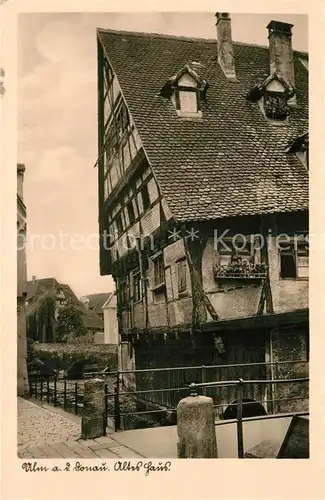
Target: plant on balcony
<point>241,269</point>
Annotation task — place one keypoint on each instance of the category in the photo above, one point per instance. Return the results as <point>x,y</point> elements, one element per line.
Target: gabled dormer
<point>186,90</point>
<point>300,147</point>
<point>272,95</point>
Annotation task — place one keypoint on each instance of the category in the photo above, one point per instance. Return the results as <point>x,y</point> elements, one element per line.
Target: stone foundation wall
<point>291,345</point>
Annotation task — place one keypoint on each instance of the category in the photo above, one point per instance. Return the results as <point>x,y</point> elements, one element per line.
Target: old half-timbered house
<point>203,197</point>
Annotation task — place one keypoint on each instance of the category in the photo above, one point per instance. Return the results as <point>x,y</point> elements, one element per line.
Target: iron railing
<point>240,403</point>
<point>133,403</point>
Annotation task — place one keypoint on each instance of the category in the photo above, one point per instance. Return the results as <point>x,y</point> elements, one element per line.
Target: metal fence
<point>69,396</point>
<point>131,401</point>
<point>240,403</point>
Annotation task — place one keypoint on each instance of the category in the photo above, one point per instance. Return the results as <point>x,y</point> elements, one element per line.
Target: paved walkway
<point>48,432</point>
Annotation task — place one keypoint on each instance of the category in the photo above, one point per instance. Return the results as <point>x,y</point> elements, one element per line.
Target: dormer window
<point>300,147</point>
<point>187,100</point>
<point>186,89</point>
<point>275,105</point>
<point>272,95</point>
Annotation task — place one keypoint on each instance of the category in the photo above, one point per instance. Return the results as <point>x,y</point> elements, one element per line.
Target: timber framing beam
<point>254,322</point>
<point>263,321</point>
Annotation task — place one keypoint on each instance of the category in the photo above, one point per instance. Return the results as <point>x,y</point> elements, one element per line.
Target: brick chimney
<point>280,49</point>
<point>20,179</point>
<point>225,46</point>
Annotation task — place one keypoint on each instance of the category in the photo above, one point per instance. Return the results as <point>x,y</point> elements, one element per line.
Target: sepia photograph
<point>162,236</point>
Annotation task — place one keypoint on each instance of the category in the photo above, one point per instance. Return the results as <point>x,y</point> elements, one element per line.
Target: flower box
<point>241,269</point>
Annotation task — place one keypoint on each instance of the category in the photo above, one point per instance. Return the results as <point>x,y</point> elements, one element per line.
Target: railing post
<point>65,395</point>
<point>30,387</point>
<point>240,441</point>
<point>41,388</point>
<point>76,398</point>
<point>55,389</point>
<point>48,390</point>
<point>105,408</point>
<point>92,424</point>
<point>203,379</point>
<point>196,427</point>
<point>117,404</point>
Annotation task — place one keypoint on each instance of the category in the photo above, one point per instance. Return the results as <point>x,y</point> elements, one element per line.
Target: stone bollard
<point>92,422</point>
<point>196,428</point>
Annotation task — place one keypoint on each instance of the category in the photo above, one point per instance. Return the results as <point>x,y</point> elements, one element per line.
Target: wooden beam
<point>263,321</point>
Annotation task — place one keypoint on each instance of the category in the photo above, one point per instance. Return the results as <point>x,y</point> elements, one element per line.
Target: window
<point>294,260</point>
<point>137,292</point>
<point>124,292</point>
<point>275,105</point>
<point>130,210</point>
<point>231,248</point>
<point>188,101</point>
<point>145,197</point>
<point>159,271</point>
<point>119,224</point>
<point>182,275</point>
<point>122,119</point>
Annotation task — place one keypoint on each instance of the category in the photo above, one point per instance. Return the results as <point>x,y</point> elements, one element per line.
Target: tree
<point>70,324</point>
<point>41,319</point>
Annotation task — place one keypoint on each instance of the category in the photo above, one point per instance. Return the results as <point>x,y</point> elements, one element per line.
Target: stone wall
<point>60,356</point>
<point>22,375</point>
<point>291,345</point>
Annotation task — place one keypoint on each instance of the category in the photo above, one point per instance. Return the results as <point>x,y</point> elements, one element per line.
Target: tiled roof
<point>230,162</point>
<point>67,290</point>
<point>92,320</point>
<point>97,300</point>
<point>39,288</point>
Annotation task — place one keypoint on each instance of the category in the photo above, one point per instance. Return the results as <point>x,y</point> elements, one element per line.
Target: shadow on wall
<point>251,408</point>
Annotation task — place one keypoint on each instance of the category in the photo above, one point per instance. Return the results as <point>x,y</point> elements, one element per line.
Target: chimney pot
<point>225,45</point>
<point>20,179</point>
<point>279,27</point>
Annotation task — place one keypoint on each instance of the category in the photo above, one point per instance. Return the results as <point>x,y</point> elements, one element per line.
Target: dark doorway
<point>251,408</point>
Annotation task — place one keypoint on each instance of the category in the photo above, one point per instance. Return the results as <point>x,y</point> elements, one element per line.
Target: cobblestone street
<point>48,432</point>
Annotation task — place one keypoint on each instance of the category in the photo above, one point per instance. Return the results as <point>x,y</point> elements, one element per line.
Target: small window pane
<point>288,265</point>
<point>303,267</point>
<point>130,211</point>
<point>107,108</point>
<point>136,287</point>
<point>114,175</point>
<point>182,282</point>
<point>159,271</point>
<point>126,155</point>
<point>145,197</point>
<point>188,101</point>
<point>119,223</point>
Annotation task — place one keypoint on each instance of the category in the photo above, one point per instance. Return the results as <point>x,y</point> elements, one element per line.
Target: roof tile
<point>229,162</point>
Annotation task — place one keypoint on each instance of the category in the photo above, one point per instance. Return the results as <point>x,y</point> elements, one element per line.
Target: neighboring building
<point>110,320</point>
<point>38,290</point>
<point>95,302</point>
<point>22,374</point>
<point>199,138</point>
<point>95,325</point>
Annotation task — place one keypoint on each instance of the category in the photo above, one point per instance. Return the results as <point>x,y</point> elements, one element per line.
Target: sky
<point>57,127</point>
